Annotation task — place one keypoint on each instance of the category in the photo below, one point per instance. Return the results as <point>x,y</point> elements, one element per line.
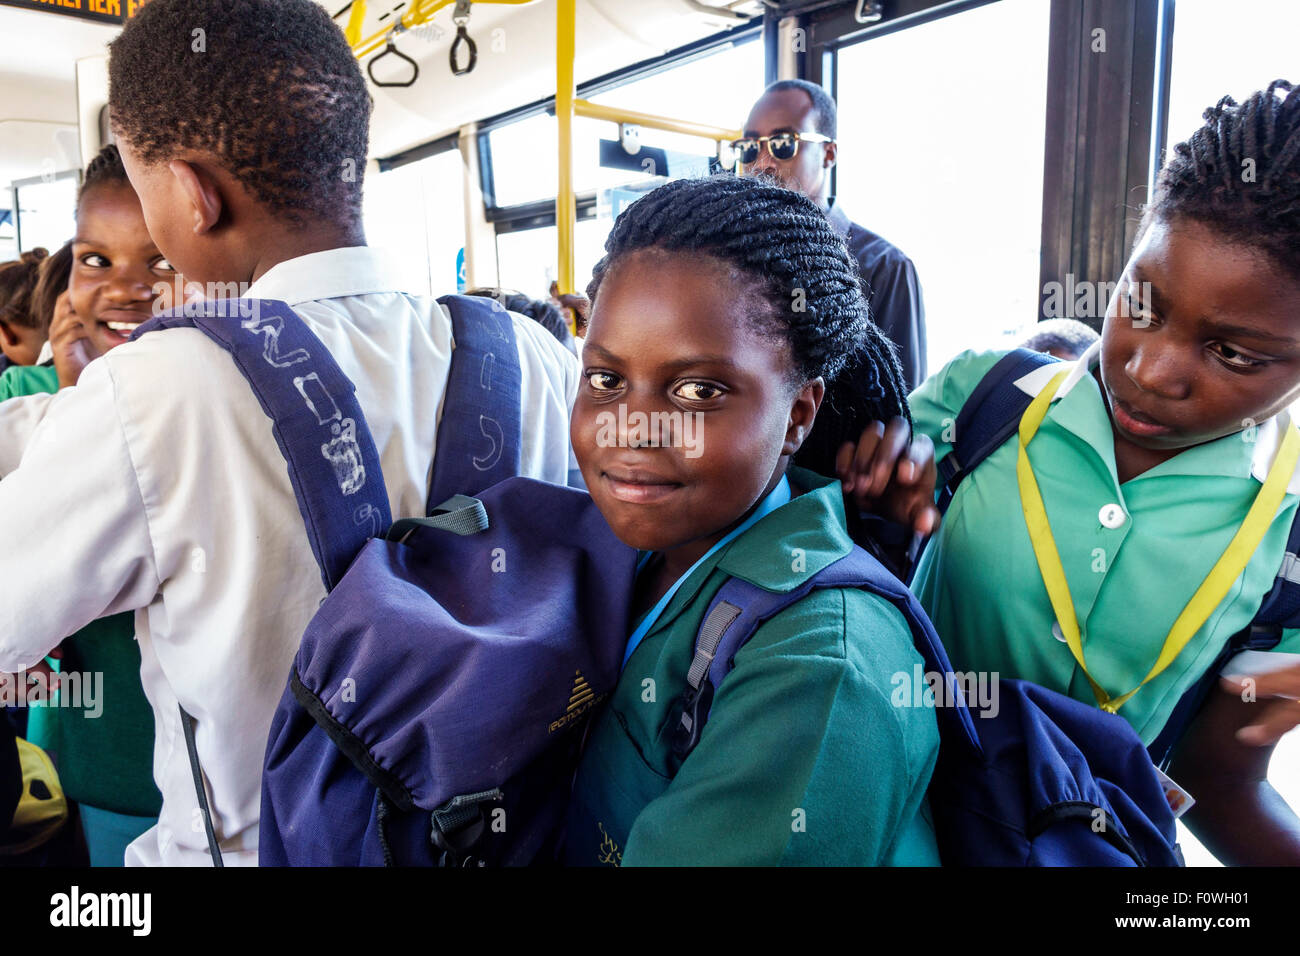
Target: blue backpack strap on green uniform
<point>989,417</point>
<point>1280,609</point>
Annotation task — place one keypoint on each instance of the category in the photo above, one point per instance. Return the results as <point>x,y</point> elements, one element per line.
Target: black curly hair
<point>823,103</point>
<point>268,87</point>
<point>803,278</point>
<point>1239,174</point>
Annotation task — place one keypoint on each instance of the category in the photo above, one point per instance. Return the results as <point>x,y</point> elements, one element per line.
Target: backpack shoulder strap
<point>740,608</point>
<point>315,418</point>
<point>480,435</point>
<point>988,418</point>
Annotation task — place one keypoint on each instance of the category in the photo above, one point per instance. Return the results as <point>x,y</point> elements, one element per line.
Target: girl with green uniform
<point>1138,468</point>
<point>720,310</point>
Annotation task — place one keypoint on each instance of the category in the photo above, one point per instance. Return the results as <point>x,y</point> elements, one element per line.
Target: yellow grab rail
<point>615,115</point>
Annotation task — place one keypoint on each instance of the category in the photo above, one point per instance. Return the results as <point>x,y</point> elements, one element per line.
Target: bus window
<point>1214,55</point>
<point>947,163</point>
<point>524,155</point>
<point>425,247</point>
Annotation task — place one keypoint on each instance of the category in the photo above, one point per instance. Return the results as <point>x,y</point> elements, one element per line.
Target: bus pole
<point>566,209</point>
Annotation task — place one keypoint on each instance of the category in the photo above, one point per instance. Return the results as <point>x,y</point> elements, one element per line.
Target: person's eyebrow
<point>674,365</point>
<point>694,360</point>
<point>1246,332</point>
<point>605,353</point>
<point>1228,329</point>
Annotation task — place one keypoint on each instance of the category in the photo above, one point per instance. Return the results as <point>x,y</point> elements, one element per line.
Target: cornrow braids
<point>799,268</point>
<point>1239,174</point>
<point>105,169</point>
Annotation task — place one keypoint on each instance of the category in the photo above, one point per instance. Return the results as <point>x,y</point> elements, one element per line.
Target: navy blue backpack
<point>387,746</point>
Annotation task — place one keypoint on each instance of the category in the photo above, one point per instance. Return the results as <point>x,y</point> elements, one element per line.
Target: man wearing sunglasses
<point>790,135</point>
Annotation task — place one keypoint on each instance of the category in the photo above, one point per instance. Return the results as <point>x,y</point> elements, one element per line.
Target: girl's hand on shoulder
<point>70,341</point>
<point>891,474</point>
<point>1278,693</point>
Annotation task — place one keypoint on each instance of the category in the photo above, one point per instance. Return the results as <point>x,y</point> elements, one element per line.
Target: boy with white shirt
<point>177,503</point>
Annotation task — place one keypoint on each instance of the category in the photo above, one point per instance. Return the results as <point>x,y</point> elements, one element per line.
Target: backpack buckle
<point>458,825</point>
<point>695,710</point>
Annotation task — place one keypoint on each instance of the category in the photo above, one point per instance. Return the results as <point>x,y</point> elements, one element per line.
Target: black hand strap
<point>187,724</point>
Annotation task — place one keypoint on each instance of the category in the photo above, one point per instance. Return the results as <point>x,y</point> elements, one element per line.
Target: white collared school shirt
<point>156,486</point>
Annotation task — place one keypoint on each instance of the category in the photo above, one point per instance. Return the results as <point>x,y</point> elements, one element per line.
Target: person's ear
<point>8,336</point>
<point>832,155</point>
<point>802,414</point>
<point>201,192</point>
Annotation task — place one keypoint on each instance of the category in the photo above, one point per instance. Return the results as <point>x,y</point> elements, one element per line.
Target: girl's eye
<point>603,381</point>
<point>698,391</point>
<point>1231,357</point>
<point>1136,310</point>
<point>163,265</point>
<point>94,260</point>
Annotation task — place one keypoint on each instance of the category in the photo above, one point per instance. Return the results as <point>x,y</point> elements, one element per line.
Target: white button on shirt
<point>1112,516</point>
<point>156,486</point>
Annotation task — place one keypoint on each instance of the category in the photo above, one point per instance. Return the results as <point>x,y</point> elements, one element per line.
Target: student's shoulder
<point>954,383</point>
<point>860,631</point>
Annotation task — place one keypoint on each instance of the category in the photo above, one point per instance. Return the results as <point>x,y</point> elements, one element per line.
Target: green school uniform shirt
<point>104,746</point>
<point>20,380</point>
<point>804,760</point>
<point>1133,553</point>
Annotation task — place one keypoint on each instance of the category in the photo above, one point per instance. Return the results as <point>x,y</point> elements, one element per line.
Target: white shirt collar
<point>47,353</point>
<point>333,274</point>
<point>1267,439</point>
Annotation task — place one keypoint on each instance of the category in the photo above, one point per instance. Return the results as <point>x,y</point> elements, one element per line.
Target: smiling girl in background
<point>110,270</point>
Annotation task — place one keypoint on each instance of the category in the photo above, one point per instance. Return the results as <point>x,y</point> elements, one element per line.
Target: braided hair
<point>803,277</point>
<point>1239,174</point>
<point>105,169</point>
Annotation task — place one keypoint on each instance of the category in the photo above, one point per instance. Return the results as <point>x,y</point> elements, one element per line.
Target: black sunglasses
<point>782,146</point>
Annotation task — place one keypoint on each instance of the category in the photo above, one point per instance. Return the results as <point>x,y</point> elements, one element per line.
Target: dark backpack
<point>1047,781</point>
<point>391,743</point>
<point>992,414</point>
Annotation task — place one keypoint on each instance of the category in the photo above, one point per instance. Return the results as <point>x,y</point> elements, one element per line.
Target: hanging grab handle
<point>461,18</point>
<point>392,50</point>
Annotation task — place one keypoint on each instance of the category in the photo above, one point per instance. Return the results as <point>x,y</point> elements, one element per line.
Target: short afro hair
<point>269,88</point>
<point>823,103</point>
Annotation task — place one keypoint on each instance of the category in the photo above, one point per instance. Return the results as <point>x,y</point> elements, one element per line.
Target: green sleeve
<point>804,760</point>
<point>937,402</point>
<point>6,385</point>
<point>24,380</point>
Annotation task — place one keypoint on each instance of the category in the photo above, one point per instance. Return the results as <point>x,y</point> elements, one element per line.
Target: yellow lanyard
<point>1207,597</point>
